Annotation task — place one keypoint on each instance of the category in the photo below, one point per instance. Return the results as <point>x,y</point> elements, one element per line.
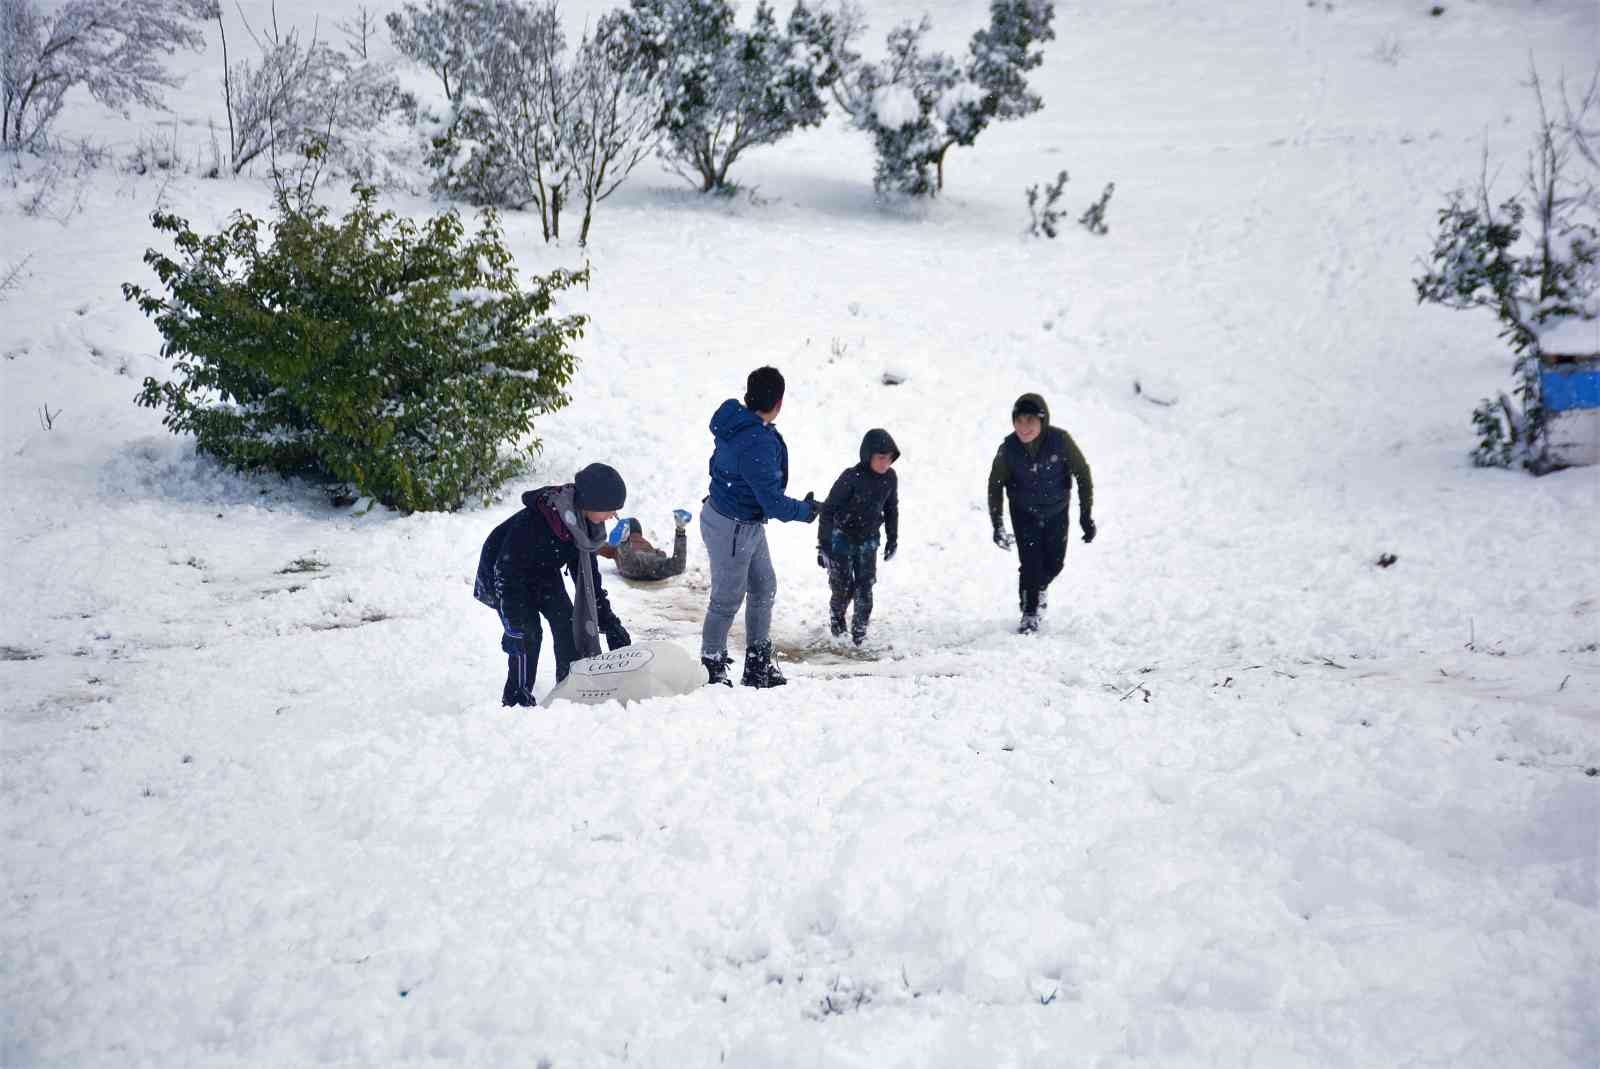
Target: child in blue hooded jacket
<point>749,475</point>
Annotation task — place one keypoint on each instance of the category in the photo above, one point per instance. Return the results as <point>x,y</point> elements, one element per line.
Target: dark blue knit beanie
<point>598,488</point>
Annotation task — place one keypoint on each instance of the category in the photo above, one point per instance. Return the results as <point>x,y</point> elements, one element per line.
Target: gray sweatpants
<point>741,571</point>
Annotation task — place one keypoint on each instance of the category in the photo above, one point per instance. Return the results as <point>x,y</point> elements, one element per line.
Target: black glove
<point>811,499</point>
<point>823,560</point>
<point>514,644</point>
<point>1001,539</point>
<point>616,635</point>
<point>889,550</point>
<point>1088,529</point>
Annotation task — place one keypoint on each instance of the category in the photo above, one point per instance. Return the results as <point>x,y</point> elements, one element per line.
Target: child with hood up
<point>864,497</point>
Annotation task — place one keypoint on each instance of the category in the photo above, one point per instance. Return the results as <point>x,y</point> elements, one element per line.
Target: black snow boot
<point>759,671</point>
<point>1030,600</point>
<point>511,696</point>
<point>836,625</point>
<point>717,669</point>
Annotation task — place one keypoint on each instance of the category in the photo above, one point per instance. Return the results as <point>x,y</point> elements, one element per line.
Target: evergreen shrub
<point>399,359</point>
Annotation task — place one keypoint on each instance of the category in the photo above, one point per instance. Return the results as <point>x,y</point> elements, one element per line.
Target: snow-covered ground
<point>1249,799</point>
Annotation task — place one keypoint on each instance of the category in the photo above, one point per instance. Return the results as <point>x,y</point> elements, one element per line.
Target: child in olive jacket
<point>1035,467</point>
<point>864,497</point>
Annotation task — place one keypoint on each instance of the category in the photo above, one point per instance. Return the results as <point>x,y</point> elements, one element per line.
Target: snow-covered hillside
<point>1248,799</point>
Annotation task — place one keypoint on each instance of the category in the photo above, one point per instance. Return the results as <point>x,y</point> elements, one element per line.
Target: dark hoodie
<point>861,499</point>
<point>750,468</point>
<point>1038,476</point>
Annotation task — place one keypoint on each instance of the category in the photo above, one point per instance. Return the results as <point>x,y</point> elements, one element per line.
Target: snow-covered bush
<point>724,89</point>
<point>917,105</point>
<point>299,93</point>
<point>12,276</point>
<point>1093,218</point>
<point>1531,278</point>
<point>1044,219</point>
<point>155,151</point>
<point>371,352</point>
<point>112,48</point>
<point>53,185</point>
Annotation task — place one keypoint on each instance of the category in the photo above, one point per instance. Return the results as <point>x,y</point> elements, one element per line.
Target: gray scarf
<point>585,613</point>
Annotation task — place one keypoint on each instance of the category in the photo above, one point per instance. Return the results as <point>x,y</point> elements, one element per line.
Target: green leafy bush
<point>393,357</point>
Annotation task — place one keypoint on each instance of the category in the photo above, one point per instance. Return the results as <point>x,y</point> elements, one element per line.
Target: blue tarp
<point>1566,389</point>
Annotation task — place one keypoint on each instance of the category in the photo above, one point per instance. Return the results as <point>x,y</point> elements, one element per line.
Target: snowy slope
<point>1247,800</point>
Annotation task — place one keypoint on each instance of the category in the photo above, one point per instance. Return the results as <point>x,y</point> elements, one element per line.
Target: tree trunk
<point>542,199</point>
<point>227,90</point>
<point>705,162</point>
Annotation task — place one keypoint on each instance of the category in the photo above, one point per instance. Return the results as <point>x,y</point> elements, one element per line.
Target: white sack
<point>633,673</point>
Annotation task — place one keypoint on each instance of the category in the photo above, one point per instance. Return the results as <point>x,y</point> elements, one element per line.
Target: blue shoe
<point>681,517</point>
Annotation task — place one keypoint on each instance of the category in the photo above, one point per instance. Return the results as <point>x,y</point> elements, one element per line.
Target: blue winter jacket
<point>750,468</point>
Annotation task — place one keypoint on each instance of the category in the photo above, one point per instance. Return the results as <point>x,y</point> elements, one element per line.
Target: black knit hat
<point>763,389</point>
<point>598,488</point>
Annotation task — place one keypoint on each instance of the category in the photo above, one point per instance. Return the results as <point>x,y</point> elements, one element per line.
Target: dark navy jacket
<point>1041,481</point>
<point>535,549</point>
<point>750,468</point>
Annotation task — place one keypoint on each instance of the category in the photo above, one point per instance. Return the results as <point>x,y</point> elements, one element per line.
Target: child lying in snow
<point>637,559</point>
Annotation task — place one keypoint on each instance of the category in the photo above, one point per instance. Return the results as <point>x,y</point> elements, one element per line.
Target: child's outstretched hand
<point>1002,539</point>
<point>889,551</point>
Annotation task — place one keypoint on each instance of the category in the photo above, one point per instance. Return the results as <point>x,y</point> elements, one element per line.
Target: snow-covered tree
<point>508,99</point>
<point>112,48</point>
<point>615,117</point>
<point>300,93</point>
<point>525,122</point>
<point>1532,278</point>
<point>724,89</point>
<point>917,104</point>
